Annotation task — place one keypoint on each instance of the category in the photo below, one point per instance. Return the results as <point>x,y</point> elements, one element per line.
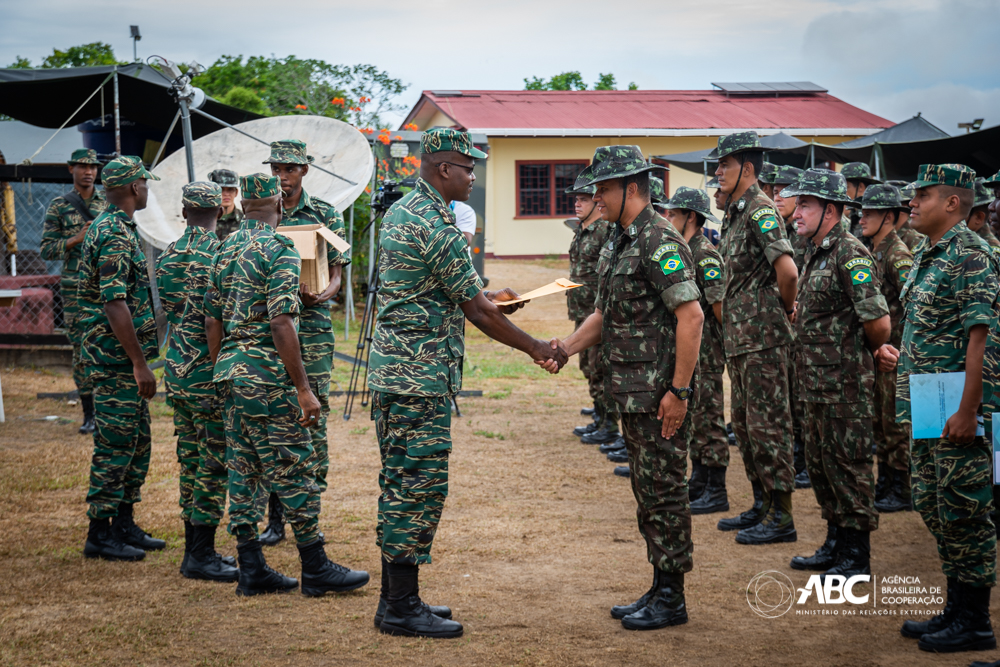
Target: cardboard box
<point>311,242</point>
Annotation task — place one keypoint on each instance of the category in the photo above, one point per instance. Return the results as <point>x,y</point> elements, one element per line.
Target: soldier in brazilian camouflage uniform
<point>119,338</point>
<point>648,317</point>
<point>979,217</point>
<point>859,177</point>
<point>841,320</point>
<point>950,298</point>
<point>290,164</point>
<point>765,179</point>
<point>182,278</point>
<point>62,238</point>
<point>232,216</point>
<point>251,305</point>
<point>760,296</point>
<point>427,289</point>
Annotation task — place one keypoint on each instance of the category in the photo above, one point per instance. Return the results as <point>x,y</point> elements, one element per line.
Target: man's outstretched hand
<point>506,294</point>
<point>549,356</point>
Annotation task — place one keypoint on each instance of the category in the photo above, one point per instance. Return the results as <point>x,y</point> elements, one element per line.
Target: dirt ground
<point>538,540</point>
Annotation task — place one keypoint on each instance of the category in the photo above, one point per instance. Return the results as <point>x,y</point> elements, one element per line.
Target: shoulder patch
<point>902,263</point>
<point>858,261</point>
<point>712,273</point>
<point>666,248</point>
<point>709,260</point>
<point>861,276</point>
<point>671,264</point>
<point>765,219</point>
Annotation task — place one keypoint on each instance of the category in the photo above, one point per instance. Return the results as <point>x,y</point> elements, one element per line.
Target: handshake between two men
<point>487,310</point>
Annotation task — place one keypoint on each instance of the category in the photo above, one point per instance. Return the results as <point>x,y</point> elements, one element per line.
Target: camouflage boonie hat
<point>822,184</point>
<point>259,186</point>
<point>907,192</point>
<point>955,175</point>
<point>226,178</point>
<point>614,162</point>
<point>993,181</point>
<point>692,199</point>
<point>767,173</point>
<point>288,151</point>
<point>897,184</point>
<point>577,189</point>
<point>713,183</point>
<point>657,193</point>
<point>881,197</point>
<point>441,139</point>
<point>984,196</point>
<point>201,194</point>
<point>858,171</point>
<point>123,170</point>
<point>787,175</point>
<point>83,156</point>
<point>740,142</point>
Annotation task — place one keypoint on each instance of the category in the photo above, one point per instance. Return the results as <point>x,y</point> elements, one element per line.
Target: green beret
<point>201,194</point>
<point>288,151</point>
<point>442,139</point>
<point>84,156</point>
<point>259,186</point>
<point>955,175</point>
<point>123,170</point>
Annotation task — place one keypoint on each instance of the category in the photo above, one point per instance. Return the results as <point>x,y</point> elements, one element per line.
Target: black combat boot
<point>752,516</point>
<point>917,629</point>
<point>187,545</point>
<point>614,446</point>
<point>665,607</point>
<point>275,531</point>
<point>621,611</point>
<point>321,575</point>
<point>256,577</point>
<point>714,498</point>
<point>203,562</point>
<point>854,553</point>
<point>406,614</point>
<point>799,459</point>
<point>588,412</point>
<point>825,557</point>
<point>607,431</point>
<point>730,434</point>
<point>591,427</point>
<point>777,526</point>
<point>882,481</point>
<point>971,629</point>
<point>622,471</point>
<point>618,456</point>
<point>897,496</point>
<point>698,479</point>
<point>131,534</point>
<point>443,612</point>
<point>88,426</point>
<point>103,542</point>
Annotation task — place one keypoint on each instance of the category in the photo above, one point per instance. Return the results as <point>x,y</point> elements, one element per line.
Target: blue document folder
<point>934,397</point>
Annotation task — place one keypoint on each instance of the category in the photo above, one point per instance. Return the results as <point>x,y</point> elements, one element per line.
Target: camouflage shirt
<point>229,223</point>
<point>584,253</point>
<point>839,290</point>
<point>753,312</point>
<point>708,275</point>
<point>800,244</point>
<point>254,278</point>
<point>315,211</point>
<point>986,234</point>
<point>425,273</point>
<point>113,267</point>
<point>646,277</point>
<point>910,236</point>
<point>951,288</point>
<point>892,263</point>
<point>182,273</point>
<point>62,222</point>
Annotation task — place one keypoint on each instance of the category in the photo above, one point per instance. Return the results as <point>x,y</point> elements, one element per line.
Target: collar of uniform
<point>252,223</point>
<point>948,236</point>
<point>832,237</point>
<point>120,214</point>
<point>304,202</point>
<point>431,193</point>
<point>886,242</point>
<point>641,220</point>
<point>747,197</point>
<point>197,230</point>
<point>97,196</point>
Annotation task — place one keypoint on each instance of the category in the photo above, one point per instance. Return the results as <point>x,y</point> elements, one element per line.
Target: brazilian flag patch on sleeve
<point>765,219</point>
<point>671,264</point>
<point>712,273</point>
<point>861,270</point>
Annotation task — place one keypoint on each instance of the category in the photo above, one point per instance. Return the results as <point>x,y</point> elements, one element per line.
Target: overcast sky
<point>891,57</point>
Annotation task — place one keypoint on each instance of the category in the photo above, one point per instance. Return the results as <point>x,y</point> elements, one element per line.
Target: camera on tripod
<point>388,193</point>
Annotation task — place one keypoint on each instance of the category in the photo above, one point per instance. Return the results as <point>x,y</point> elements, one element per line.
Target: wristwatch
<point>684,393</point>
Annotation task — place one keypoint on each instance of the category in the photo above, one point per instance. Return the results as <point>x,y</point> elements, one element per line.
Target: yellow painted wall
<point>507,236</point>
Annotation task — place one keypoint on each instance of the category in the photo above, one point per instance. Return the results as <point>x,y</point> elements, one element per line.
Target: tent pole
<point>704,176</point>
<point>170,130</point>
<point>188,139</point>
<point>118,124</point>
<point>812,156</point>
<point>349,291</point>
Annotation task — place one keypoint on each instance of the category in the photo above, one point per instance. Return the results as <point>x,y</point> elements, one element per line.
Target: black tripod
<point>365,334</point>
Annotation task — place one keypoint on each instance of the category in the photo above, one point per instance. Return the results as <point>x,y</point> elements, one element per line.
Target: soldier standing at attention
<point>704,430</point>
<point>880,206</point>
<point>232,216</point>
<point>250,308</point>
<point>842,322</point>
<point>428,289</point>
<point>950,298</point>
<point>182,272</point>
<point>758,305</point>
<point>980,215</point>
<point>119,338</point>
<point>859,177</point>
<point>650,323</point>
<point>66,223</point>
<point>290,164</point>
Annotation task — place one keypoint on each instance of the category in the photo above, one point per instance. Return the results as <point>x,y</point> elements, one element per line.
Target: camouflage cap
<point>993,181</point>
<point>739,142</point>
<point>259,186</point>
<point>614,162</point>
<point>767,173</point>
<point>820,183</point>
<point>955,175</point>
<point>858,171</point>
<point>787,175</point>
<point>441,139</point>
<point>898,184</point>
<point>575,189</point>
<point>201,194</point>
<point>657,193</point>
<point>288,151</point>
<point>692,199</point>
<point>226,178</point>
<point>83,156</point>
<point>881,197</point>
<point>984,196</point>
<point>123,170</point>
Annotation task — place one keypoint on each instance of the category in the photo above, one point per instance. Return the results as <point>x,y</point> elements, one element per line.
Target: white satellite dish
<point>335,146</point>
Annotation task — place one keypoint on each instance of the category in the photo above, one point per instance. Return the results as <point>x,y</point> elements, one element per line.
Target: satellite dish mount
<point>187,97</point>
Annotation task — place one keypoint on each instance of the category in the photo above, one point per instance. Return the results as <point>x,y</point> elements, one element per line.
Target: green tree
<point>564,81</point>
<point>85,55</point>
<point>605,82</point>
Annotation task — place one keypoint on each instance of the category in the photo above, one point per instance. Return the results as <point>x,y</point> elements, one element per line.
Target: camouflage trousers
<point>796,406</point>
<point>71,315</point>
<point>659,483</point>
<point>201,452</point>
<point>267,450</point>
<point>704,428</point>
<point>414,440</point>
<point>892,440</point>
<point>317,357</point>
<point>762,419</point>
<point>122,441</point>
<point>593,370</point>
<point>838,449</point>
<point>952,491</point>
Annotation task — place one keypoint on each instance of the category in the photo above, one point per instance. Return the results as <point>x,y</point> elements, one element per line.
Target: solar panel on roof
<point>771,87</point>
